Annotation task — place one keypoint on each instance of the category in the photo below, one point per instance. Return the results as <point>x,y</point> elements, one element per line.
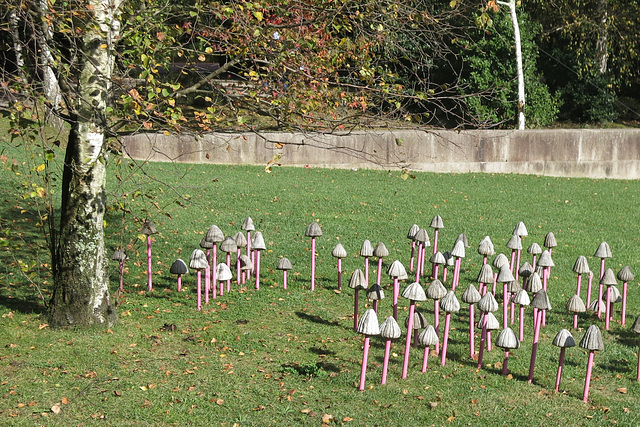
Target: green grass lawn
<point>276,357</point>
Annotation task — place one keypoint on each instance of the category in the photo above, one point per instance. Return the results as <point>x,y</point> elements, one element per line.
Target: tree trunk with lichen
<point>81,281</point>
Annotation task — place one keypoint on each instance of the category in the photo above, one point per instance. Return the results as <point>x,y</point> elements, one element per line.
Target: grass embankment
<point>275,357</point>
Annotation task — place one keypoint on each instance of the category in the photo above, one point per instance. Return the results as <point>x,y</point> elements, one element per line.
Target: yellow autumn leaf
<point>41,167</point>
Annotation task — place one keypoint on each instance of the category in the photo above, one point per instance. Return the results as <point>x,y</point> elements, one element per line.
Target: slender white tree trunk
<point>516,34</point>
<point>14,28</point>
<point>50,85</point>
<point>602,51</point>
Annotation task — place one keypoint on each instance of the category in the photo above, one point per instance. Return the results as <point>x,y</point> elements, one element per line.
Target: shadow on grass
<point>316,319</point>
<point>22,305</point>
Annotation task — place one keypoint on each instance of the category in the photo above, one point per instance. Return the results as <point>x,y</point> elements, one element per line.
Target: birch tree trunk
<point>516,34</point>
<point>602,53</point>
<point>81,292</point>
<point>50,85</point>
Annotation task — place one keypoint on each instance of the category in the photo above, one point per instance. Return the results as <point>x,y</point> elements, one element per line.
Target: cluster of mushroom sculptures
<point>519,281</point>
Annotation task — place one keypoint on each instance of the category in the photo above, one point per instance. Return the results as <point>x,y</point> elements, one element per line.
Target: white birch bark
<point>516,34</point>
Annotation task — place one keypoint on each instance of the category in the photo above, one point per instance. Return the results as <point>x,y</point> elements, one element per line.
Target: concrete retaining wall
<point>592,153</point>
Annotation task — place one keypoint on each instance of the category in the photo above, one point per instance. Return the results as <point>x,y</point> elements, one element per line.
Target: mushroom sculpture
<point>564,340</point>
<point>246,265</point>
<point>636,328</point>
<point>375,293</point>
<point>458,252</point>
<point>357,282</point>
<point>436,291</point>
<point>625,275</point>
<point>380,251</point>
<point>258,246</point>
<point>609,279</point>
<point>223,275</point>
<point>498,262</point>
<point>592,341</point>
<point>580,267</point>
<point>507,340</point>
<point>389,330</point>
<point>545,262</point>
<point>120,256</point>
<point>396,272</point>
<point>228,246</point>
<point>198,262</point>
<point>550,242</point>
<point>423,241</point>
<point>215,236</point>
<point>449,304</point>
<point>414,292</point>
<point>339,252</point>
<point>428,338</point>
<point>486,249</point>
<point>487,304</point>
<point>603,252</point>
<point>179,267</point>
<point>366,251</point>
<point>436,260</point>
<point>534,250</point>
<point>411,236</point>
<point>436,224</point>
<point>576,306</point>
<point>284,265</point>
<point>313,231</point>
<point>149,229</point>
<point>515,244</point>
<point>241,242</point>
<point>542,304</point>
<point>368,326</point>
<point>525,271</point>
<point>505,277</point>
<point>206,245</point>
<point>471,296</point>
<point>248,226</point>
<point>485,277</point>
<point>522,299</point>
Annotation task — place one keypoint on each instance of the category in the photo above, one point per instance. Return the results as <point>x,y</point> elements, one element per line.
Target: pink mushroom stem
<point>365,357</point>
<point>385,363</point>
<point>505,370</point>
<point>407,347</point>
<point>379,275</point>
<point>575,320</point>
<point>425,359</point>
<point>545,276</point>
<point>435,241</point>
<point>517,272</point>
<point>623,316</point>
<point>214,260</point>
<point>214,293</point>
<point>419,261</point>
<point>239,273</point>
<point>587,380</point>
<point>599,301</point>
<point>313,263</point>
<point>513,311</point>
<point>149,272</point>
<point>228,265</point>
<point>560,364</point>
<point>456,274</point>
<point>375,306</point>
<point>488,340</point>
<point>436,322</point>
<point>412,259</point>
<point>444,274</point>
<point>179,282</point>
<point>536,338</point>
<point>472,332</point>
<point>579,283</point>
<point>589,283</point>
<point>602,268</point>
<point>445,339</point>
<point>521,323</point>
<point>436,267</point>
<point>638,370</point>
<point>199,282</point>
<point>248,243</point>
<point>505,305</point>
<point>339,274</point>
<point>258,270</point>
<point>207,285</point>
<point>366,269</point>
<point>284,279</point>
<point>483,338</point>
<point>512,262</point>
<point>355,310</point>
<point>396,294</point>
<point>607,315</point>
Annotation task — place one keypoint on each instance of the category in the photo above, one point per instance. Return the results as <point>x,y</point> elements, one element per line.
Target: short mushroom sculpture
<point>486,249</point>
<point>487,304</point>
<point>485,277</point>
<point>625,275</point>
<point>592,341</point>
<point>428,338</point>
<point>576,306</point>
<point>198,262</point>
<point>241,242</point>
<point>423,241</point>
<point>357,282</point>
<point>515,244</point>
<point>368,326</point>
<point>436,261</point>
<point>284,265</point>
<point>120,256</point>
<point>223,274</point>
<point>215,236</point>
<point>471,296</point>
<point>414,292</point>
<point>389,330</point>
<point>580,267</point>
<point>339,252</point>
<point>507,340</point>
<point>542,304</point>
<point>522,299</point>
<point>228,246</point>
<point>564,340</point>
<point>436,291</point>
<point>449,304</point>
<point>313,231</point>
<point>248,226</point>
<point>149,229</point>
<point>608,279</point>
<point>179,267</point>
<point>550,242</point>
<point>375,293</point>
<point>534,250</point>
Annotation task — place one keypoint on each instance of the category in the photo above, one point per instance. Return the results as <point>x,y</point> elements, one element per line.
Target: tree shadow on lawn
<point>317,319</point>
<point>26,306</point>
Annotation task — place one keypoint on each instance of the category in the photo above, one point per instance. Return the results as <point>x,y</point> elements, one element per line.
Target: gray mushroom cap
<point>241,240</point>
<point>437,222</point>
<point>358,280</point>
<point>507,339</point>
<point>592,339</point>
<point>458,250</point>
<point>526,270</point>
<point>148,228</point>
<point>375,292</point>
<point>449,303</point>
<point>245,262</point>
<point>179,267</point>
<point>486,274</point>
<point>214,234</point>
<point>488,303</point>
<point>257,242</point>
<point>463,237</point>
<point>608,278</point>
<point>339,251</point>
<point>436,290</point>
<point>625,274</point>
<point>228,245</point>
<point>367,249</point>
<point>541,301</point>
<point>485,248</point>
<point>520,229</point>
<point>284,264</point>
<point>223,272</point>
<point>550,240</point>
<point>380,250</point>
<point>422,237</point>
<point>412,231</point>
<point>492,322</point>
<point>437,258</point>
<point>414,292</point>
<point>521,297</point>
<point>513,287</point>
<point>545,259</point>
<point>500,260</point>
<point>448,259</point>
<point>419,321</point>
<point>534,283</point>
<point>205,244</point>
<point>247,225</point>
<point>428,337</point>
<point>581,266</point>
<point>636,325</point>
<point>119,255</point>
<point>471,295</point>
<point>198,260</point>
<point>603,251</point>
<point>597,304</point>
<point>505,275</point>
<point>396,270</point>
<point>514,243</point>
<point>534,249</point>
<point>564,339</point>
<point>389,329</point>
<point>368,323</point>
<point>313,230</point>
<point>614,294</point>
<point>576,304</point>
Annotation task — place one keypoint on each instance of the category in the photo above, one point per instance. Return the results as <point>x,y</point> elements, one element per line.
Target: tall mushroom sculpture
<point>368,326</point>
<point>505,277</point>
<point>487,304</point>
<point>120,256</point>
<point>380,251</point>
<point>423,241</point>
<point>414,292</point>
<point>436,260</point>
<point>580,267</point>
<point>248,226</point>
<point>313,231</point>
<point>564,340</point>
<point>507,340</point>
<point>357,282</point>
<point>149,229</point>
<point>515,244</point>
<point>375,293</point>
<point>389,330</point>
<point>471,296</point>
<point>223,275</point>
<point>241,243</point>
<point>229,247</point>
<point>339,252</point>
<point>198,262</point>
<point>215,236</point>
<point>411,236</point>
<point>534,250</point>
<point>486,249</point>
<point>592,341</point>
<point>258,246</point>
<point>436,224</point>
<point>449,304</point>
<point>522,299</point>
<point>284,265</point>
<point>485,277</point>
<point>366,251</point>
<point>625,275</point>
<point>542,304</point>
<point>428,338</point>
<point>458,252</point>
<point>396,272</point>
<point>179,268</point>
<point>603,252</point>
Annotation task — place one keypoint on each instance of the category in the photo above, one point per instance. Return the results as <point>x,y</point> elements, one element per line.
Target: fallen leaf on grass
<point>219,401</point>
<point>622,390</point>
<point>65,400</point>
<point>347,419</point>
<point>326,418</point>
<point>259,408</point>
<point>56,409</point>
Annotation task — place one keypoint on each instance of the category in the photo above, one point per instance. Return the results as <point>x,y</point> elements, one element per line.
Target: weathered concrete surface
<point>589,153</point>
